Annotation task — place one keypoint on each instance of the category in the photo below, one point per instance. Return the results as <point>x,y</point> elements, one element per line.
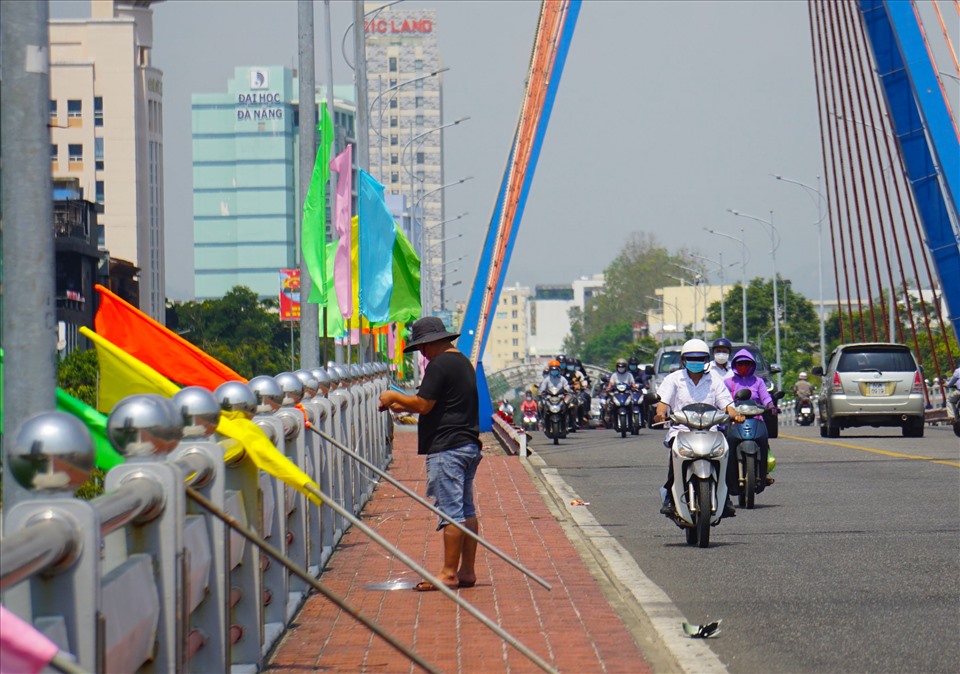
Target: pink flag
<point>342,276</point>
<point>391,340</point>
<point>23,650</point>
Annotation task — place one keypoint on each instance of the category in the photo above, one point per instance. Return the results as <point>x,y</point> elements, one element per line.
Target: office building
<point>406,149</point>
<point>246,184</point>
<point>106,131</point>
<point>507,344</point>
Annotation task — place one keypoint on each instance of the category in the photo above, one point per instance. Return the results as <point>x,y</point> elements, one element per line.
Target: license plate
<point>877,389</point>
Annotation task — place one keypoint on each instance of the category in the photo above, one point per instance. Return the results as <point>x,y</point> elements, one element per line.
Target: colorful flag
<point>122,375</point>
<point>377,232</point>
<point>289,294</point>
<point>342,269</point>
<point>104,455</point>
<point>405,296</point>
<point>23,649</point>
<point>313,239</point>
<point>160,348</point>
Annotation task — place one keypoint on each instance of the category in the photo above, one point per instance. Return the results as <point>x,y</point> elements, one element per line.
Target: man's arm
<point>401,402</point>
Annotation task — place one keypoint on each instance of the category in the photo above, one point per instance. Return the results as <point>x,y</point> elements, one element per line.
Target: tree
<point>77,375</point>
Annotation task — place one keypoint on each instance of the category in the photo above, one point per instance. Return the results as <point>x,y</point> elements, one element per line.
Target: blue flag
<point>376,234</point>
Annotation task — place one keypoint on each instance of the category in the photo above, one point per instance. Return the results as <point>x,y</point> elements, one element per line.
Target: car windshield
<point>876,358</point>
<point>669,361</point>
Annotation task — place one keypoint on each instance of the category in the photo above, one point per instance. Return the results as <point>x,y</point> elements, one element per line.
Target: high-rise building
<point>406,149</point>
<point>106,129</point>
<point>509,330</point>
<point>246,185</point>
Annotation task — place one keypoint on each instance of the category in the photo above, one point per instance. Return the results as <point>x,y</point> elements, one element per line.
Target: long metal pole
<point>29,311</point>
<point>743,263</point>
<point>309,313</point>
<point>776,305</point>
<point>363,124</point>
<point>433,580</point>
<point>436,511</point>
<point>823,339</point>
<point>331,194</point>
<point>237,526</point>
<point>723,306</point>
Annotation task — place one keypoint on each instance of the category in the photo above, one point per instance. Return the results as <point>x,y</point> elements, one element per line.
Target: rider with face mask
<point>721,357</point>
<point>554,380</point>
<point>692,383</point>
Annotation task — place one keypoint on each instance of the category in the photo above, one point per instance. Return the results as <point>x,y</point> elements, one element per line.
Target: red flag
<point>149,342</point>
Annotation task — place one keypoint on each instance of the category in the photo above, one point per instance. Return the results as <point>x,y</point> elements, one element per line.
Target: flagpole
<point>334,177</point>
<point>309,313</point>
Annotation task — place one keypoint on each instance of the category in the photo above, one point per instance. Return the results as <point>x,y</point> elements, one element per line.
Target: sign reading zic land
<point>396,26</point>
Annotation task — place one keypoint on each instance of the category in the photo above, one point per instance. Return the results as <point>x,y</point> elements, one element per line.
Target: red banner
<point>289,294</point>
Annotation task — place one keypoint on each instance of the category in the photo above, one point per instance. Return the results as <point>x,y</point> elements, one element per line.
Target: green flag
<point>105,456</point>
<point>313,235</point>
<point>405,303</point>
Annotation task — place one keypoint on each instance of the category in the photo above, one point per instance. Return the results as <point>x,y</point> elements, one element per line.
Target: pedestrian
<point>449,436</point>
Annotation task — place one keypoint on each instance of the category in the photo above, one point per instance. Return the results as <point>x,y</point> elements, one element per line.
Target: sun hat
<point>428,329</point>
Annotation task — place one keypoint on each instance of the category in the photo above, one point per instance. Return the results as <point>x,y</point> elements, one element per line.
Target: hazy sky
<point>668,113</point>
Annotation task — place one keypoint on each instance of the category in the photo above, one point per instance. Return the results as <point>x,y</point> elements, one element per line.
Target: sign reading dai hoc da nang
<point>260,104</point>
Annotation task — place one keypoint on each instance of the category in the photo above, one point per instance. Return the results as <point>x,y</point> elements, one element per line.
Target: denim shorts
<point>450,476</point>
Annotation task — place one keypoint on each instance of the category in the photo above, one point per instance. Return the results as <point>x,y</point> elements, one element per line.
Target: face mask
<point>695,367</point>
<point>554,373</point>
<point>742,370</point>
<point>722,357</point>
<point>633,368</point>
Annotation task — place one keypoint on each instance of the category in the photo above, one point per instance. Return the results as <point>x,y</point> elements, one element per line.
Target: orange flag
<point>163,350</point>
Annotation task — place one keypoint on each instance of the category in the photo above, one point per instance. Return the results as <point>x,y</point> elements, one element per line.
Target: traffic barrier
<point>145,577</point>
<point>513,439</point>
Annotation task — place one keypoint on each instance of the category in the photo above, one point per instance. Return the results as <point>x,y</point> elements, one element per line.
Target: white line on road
<point>693,655</point>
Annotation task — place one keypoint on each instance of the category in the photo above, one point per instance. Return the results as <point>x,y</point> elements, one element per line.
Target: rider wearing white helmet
<point>802,390</point>
<point>692,383</point>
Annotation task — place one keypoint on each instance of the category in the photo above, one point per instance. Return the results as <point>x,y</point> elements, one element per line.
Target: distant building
<point>406,155</point>
<point>106,130</point>
<point>507,343</point>
<point>550,313</point>
<point>682,307</point>
<point>246,185</point>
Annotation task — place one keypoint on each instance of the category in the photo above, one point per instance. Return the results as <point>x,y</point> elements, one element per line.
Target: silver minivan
<point>871,384</point>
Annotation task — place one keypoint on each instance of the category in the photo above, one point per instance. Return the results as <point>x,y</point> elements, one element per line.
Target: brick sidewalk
<point>572,626</point>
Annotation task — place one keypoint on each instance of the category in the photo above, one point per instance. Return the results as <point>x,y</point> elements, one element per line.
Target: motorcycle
<point>805,415</point>
<point>699,458</point>
<point>745,446</point>
<point>554,417</point>
<point>529,420</point>
<point>573,418</point>
<point>953,401</point>
<point>636,411</point>
<point>584,409</point>
<point>620,405</point>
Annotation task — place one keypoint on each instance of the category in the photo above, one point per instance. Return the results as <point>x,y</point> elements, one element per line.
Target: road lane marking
<point>693,655</point>
<point>895,455</point>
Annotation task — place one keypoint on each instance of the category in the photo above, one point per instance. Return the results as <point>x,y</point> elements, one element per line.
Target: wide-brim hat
<point>428,329</point>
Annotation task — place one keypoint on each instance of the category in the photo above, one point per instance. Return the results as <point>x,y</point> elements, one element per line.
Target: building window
<point>393,83</point>
<point>393,64</point>
<point>513,314</point>
<point>394,159</point>
<point>394,121</point>
<point>75,152</point>
<point>98,152</point>
<point>513,299</point>
<point>420,157</point>
<point>515,327</point>
<point>98,111</point>
<point>516,342</point>
<point>516,355</point>
<point>419,101</point>
<point>393,103</point>
<point>418,65</point>
<point>420,175</point>
<point>99,192</point>
<point>418,85</point>
<point>419,120</point>
<point>395,177</point>
<point>54,152</point>
<point>53,107</point>
<point>74,108</point>
<point>394,140</point>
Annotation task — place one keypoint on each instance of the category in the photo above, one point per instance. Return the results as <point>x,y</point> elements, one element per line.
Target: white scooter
<point>699,458</point>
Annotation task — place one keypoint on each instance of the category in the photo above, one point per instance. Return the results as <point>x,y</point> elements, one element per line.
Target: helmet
<point>723,343</point>
<point>621,364</point>
<point>604,378</point>
<point>571,365</point>
<point>694,347</point>
<point>554,363</point>
<point>579,363</point>
<point>633,360</point>
<point>562,359</point>
<point>802,375</point>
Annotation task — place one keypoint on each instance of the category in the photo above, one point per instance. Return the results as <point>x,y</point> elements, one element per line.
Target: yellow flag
<point>122,375</point>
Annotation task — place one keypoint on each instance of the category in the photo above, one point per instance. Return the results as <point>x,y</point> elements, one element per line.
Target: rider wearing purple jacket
<point>744,365</point>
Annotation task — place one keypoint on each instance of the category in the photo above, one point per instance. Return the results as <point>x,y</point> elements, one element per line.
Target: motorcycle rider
<point>621,375</point>
<point>578,382</point>
<point>642,381</point>
<point>529,405</point>
<point>553,380</point>
<point>721,357</point>
<point>953,395</point>
<point>692,383</point>
<point>744,366</point>
<point>803,389</point>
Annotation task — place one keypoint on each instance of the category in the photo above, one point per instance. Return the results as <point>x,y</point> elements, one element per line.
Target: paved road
<point>850,562</point>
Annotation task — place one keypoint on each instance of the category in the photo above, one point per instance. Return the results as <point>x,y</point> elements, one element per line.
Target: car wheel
<point>913,430</point>
<point>823,431</point>
<point>833,430</point>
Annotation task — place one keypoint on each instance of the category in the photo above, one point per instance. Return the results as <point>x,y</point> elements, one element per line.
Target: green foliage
<point>77,375</point>
<point>239,329</point>
<point>604,331</point>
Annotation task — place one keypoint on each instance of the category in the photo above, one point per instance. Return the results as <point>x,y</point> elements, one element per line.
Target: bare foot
<point>466,580</point>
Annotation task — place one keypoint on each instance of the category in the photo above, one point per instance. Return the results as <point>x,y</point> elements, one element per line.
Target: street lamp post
<point>774,244</point>
<point>426,280</point>
<point>821,216</point>
<point>698,280</point>
<point>723,292</point>
<point>379,98</point>
<point>663,302</point>
<point>694,284</point>
<point>743,264</point>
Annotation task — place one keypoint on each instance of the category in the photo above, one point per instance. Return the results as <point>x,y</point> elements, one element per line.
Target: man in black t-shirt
<point>449,436</point>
